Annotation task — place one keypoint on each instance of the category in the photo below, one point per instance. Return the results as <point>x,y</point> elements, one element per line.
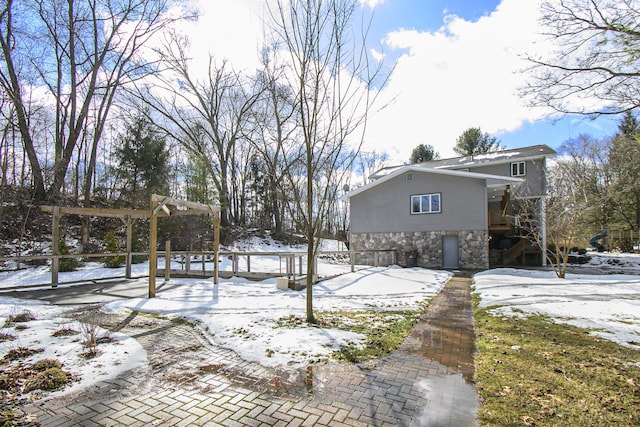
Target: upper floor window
<point>518,169</point>
<point>425,203</point>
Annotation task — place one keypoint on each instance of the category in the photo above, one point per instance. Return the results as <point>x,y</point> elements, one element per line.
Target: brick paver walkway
<point>427,382</point>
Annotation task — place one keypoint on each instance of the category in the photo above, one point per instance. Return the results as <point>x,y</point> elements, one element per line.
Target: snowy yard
<point>608,303</point>
<point>237,314</point>
<point>242,315</point>
<point>261,262</point>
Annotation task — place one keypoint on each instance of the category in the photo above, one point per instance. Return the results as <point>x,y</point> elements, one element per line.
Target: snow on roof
<point>491,180</point>
<point>494,157</point>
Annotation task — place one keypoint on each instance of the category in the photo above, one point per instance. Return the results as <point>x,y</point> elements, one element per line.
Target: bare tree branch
<point>330,77</point>
<point>595,69</point>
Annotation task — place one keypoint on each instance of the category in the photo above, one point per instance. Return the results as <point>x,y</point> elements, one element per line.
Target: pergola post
<point>167,260</point>
<point>216,245</point>
<point>55,245</point>
<point>159,206</point>
<point>153,255</point>
<point>129,223</point>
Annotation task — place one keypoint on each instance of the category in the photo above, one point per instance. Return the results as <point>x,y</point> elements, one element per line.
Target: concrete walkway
<point>427,382</point>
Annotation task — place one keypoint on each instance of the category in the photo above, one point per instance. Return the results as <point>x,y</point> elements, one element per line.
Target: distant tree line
<point>604,174</point>
<point>593,70</point>
<point>93,114</point>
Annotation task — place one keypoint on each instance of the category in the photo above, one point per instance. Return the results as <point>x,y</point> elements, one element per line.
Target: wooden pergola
<point>159,207</point>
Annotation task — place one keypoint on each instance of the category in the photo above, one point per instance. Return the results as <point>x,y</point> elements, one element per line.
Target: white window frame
<point>421,198</point>
<point>518,168</point>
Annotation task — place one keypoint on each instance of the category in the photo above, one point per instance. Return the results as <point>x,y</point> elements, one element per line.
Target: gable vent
<point>409,177</point>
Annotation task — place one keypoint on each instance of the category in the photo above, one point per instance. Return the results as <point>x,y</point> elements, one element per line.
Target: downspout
<point>543,220</point>
<point>486,224</point>
<point>543,212</point>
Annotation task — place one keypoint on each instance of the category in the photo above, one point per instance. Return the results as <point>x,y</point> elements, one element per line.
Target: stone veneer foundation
<point>427,245</point>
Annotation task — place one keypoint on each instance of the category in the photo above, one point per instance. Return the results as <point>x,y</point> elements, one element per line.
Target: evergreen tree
<point>260,188</point>
<point>67,264</point>
<point>112,246</point>
<point>423,153</point>
<point>474,141</point>
<point>628,125</point>
<point>198,187</point>
<point>143,163</point>
<point>624,161</point>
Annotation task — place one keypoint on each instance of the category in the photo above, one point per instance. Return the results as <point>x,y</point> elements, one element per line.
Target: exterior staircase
<point>519,251</point>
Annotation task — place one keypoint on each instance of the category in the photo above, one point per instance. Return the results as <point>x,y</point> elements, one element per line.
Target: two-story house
<point>450,213</point>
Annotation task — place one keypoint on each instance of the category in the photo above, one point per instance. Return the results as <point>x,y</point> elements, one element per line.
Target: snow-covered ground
<point>237,313</point>
<point>242,315</point>
<point>607,302</point>
<point>263,262</point>
<point>119,355</point>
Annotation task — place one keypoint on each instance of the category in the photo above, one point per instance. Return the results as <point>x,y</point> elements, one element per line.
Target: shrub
<point>21,317</point>
<point>67,264</point>
<point>626,246</point>
<point>21,353</point>
<point>66,331</point>
<point>44,364</point>
<point>91,340</point>
<point>90,336</point>
<point>49,379</point>
<point>137,246</point>
<point>5,336</point>
<point>111,243</point>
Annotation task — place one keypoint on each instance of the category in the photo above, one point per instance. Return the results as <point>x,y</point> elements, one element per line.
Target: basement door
<point>450,252</point>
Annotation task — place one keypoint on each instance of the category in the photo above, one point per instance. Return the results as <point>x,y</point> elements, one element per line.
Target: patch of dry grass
<point>23,316</point>
<point>6,336</point>
<point>384,331</point>
<point>66,331</point>
<point>534,372</point>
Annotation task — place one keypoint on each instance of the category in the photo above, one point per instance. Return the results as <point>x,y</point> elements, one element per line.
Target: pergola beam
<point>101,212</point>
<point>180,203</point>
<point>159,206</point>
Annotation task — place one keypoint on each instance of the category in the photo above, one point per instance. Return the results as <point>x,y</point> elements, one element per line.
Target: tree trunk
<point>277,217</point>
<point>310,238</point>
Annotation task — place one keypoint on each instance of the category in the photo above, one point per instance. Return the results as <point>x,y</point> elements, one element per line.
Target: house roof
<point>492,181</point>
<point>494,157</point>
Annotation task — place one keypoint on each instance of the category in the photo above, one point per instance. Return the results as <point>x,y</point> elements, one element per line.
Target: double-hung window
<point>518,169</point>
<point>425,203</point>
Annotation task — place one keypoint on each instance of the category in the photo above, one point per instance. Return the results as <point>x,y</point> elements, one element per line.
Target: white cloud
<point>466,74</point>
<point>229,30</point>
<point>371,3</point>
<point>377,55</point>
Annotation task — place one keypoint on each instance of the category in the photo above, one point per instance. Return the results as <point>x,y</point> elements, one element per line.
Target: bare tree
<point>586,164</point>
<point>369,163</point>
<point>330,79</point>
<point>274,133</point>
<point>558,213</point>
<point>81,53</point>
<point>206,114</point>
<point>624,163</point>
<point>595,68</point>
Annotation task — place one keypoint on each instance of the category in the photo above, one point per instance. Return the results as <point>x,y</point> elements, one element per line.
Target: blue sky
<point>427,15</point>
<point>431,16</point>
<point>458,64</point>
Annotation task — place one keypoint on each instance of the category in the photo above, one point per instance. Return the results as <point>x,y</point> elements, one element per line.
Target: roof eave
<point>497,180</point>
